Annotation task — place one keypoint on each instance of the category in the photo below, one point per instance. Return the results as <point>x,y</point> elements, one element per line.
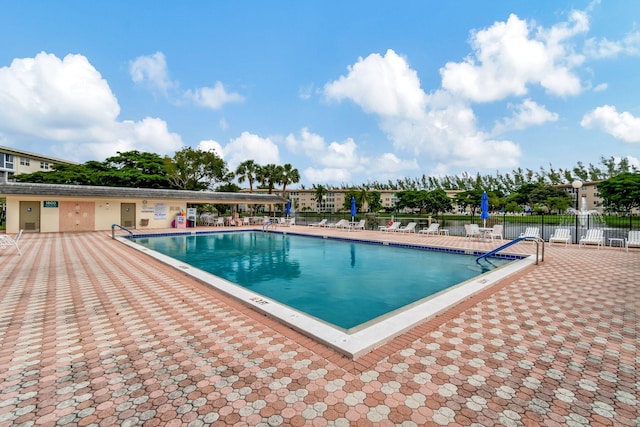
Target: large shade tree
<point>126,169</point>
<point>622,192</point>
<point>195,170</point>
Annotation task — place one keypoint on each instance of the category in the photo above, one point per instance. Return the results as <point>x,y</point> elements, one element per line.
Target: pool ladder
<point>536,240</point>
<point>113,230</point>
<point>266,225</point>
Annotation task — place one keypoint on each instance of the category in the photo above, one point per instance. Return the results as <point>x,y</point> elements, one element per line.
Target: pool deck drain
<point>95,334</point>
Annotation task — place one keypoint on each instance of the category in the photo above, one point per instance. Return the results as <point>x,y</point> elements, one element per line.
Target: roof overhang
<point>53,190</point>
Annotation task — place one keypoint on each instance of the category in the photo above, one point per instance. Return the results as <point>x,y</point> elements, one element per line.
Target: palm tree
<point>248,170</point>
<point>289,175</point>
<point>320,192</point>
<point>269,175</point>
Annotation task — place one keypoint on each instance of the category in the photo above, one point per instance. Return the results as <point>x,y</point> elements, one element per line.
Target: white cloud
<point>250,146</point>
<point>327,175</point>
<point>604,48</point>
<point>68,104</point>
<point>507,58</point>
<point>622,126</point>
<point>151,71</point>
<point>212,97</point>
<point>601,87</point>
<point>383,85</point>
<point>528,113</point>
<point>436,127</point>
<point>333,162</point>
<point>211,145</point>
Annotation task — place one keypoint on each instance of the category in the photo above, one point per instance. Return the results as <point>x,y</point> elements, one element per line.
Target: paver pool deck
<point>94,333</point>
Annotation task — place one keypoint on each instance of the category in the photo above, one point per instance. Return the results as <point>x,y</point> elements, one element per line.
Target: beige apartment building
<point>15,162</point>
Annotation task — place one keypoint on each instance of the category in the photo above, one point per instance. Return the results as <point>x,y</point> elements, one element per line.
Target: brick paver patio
<point>93,333</point>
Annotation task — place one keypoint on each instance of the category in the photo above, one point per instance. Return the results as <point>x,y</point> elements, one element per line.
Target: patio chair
<point>393,227</point>
<point>594,236</point>
<point>432,229</point>
<point>472,231</point>
<point>633,240</point>
<point>409,228</point>
<point>531,232</point>
<point>496,232</point>
<point>358,226</point>
<point>6,241</point>
<point>560,235</point>
<point>322,223</point>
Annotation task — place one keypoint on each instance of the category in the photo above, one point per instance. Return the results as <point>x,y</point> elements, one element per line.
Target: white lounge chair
<point>6,241</point>
<point>358,226</point>
<point>594,236</point>
<point>472,231</point>
<point>343,223</point>
<point>432,229</point>
<point>219,222</point>
<point>496,232</point>
<point>633,240</point>
<point>321,223</point>
<point>393,227</point>
<point>409,228</point>
<point>560,235</point>
<point>532,232</point>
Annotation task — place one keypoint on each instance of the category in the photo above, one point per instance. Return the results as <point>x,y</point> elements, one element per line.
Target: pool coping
<point>362,339</point>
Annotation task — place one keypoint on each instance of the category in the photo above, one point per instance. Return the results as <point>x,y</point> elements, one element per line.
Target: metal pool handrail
<point>113,230</point>
<point>537,241</point>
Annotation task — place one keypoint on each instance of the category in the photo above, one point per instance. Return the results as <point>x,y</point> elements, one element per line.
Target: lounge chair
<point>409,228</point>
<point>633,240</point>
<point>219,222</point>
<point>472,231</point>
<point>393,227</point>
<point>6,241</point>
<point>432,229</point>
<point>343,223</point>
<point>560,235</point>
<point>594,236</point>
<point>495,232</point>
<point>531,232</point>
<point>358,226</point>
<point>322,223</point>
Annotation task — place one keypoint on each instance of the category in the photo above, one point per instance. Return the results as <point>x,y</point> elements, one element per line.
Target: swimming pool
<point>363,294</point>
<point>343,283</point>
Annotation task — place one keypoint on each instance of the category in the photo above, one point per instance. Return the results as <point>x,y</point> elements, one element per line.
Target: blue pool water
<point>340,282</point>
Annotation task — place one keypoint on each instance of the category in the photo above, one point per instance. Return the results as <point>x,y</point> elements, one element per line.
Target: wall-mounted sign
<point>49,203</point>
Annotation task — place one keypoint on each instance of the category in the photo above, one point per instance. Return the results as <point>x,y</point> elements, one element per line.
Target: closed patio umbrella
<point>353,208</point>
<point>287,208</point>
<point>484,207</point>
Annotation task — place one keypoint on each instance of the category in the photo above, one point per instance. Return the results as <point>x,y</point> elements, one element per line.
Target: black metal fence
<point>615,226</point>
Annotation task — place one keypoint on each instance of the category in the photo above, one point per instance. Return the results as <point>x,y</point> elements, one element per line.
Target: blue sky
<point>347,92</point>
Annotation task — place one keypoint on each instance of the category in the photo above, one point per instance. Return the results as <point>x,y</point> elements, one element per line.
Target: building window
<point>8,161</point>
<point>44,165</point>
<point>24,162</point>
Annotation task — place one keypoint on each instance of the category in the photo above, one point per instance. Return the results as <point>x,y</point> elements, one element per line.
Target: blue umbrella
<point>353,208</point>
<point>287,208</point>
<point>484,207</point>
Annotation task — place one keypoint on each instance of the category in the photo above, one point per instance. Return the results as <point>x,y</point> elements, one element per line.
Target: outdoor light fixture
<point>577,185</point>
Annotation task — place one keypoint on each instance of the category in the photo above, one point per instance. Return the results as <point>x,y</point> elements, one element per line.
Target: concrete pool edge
<point>364,340</point>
